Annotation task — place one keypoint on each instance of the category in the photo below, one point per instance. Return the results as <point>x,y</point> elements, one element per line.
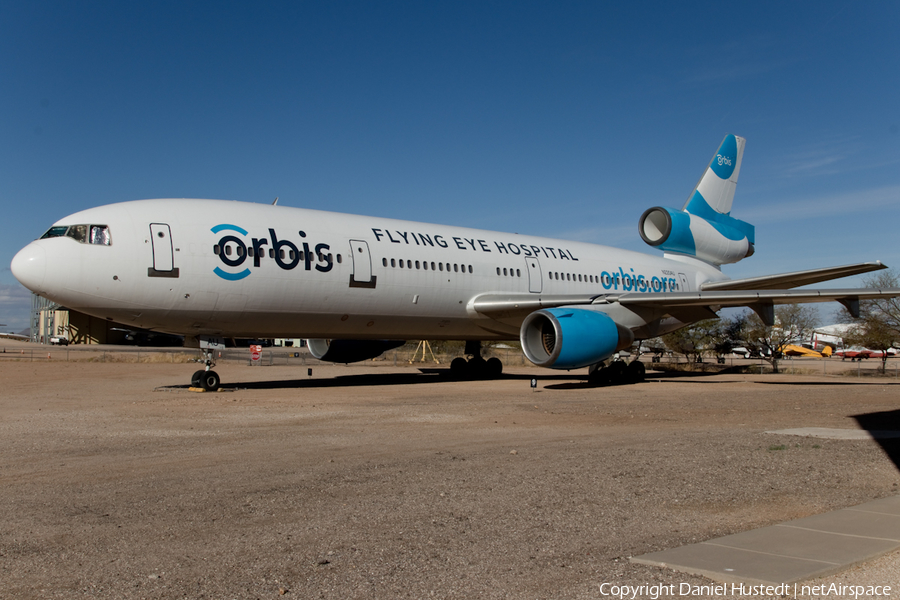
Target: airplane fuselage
<point>223,268</point>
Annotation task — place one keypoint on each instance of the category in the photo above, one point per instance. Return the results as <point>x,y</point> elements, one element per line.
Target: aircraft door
<point>362,265</point>
<point>535,281</point>
<point>684,283</point>
<point>163,252</point>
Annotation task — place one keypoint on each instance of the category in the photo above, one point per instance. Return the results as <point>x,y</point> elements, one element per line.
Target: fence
<point>406,356</point>
<point>272,356</point>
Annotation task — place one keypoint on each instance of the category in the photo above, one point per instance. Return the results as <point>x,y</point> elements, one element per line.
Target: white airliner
<point>359,285</point>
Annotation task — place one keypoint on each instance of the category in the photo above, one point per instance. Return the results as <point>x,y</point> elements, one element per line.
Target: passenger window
<point>417,264</point>
<point>339,258</point>
<point>518,272</point>
<point>271,252</point>
<point>227,250</point>
<point>432,266</point>
<point>393,263</point>
<point>216,249</point>
<point>470,268</point>
<point>456,268</point>
<point>441,266</point>
<point>383,261</point>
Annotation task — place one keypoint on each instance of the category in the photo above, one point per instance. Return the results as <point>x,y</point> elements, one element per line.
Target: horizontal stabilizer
<point>792,280</point>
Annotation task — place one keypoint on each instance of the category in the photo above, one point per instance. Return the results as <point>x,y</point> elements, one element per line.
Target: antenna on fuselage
<point>275,201</point>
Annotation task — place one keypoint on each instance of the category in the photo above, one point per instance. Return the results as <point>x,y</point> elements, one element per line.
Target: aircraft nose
<point>29,266</point>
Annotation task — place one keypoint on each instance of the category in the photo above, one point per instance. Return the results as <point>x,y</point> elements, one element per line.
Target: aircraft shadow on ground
<point>424,377</point>
<point>880,423</point>
<point>830,383</point>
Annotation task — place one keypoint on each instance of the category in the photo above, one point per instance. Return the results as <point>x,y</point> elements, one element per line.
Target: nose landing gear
<point>207,378</point>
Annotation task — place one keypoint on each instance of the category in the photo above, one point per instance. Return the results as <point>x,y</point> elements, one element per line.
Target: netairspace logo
<point>657,591</point>
<point>234,251</point>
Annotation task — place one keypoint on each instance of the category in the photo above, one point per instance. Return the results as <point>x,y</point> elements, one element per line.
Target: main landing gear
<point>207,378</point>
<point>617,373</point>
<point>476,367</point>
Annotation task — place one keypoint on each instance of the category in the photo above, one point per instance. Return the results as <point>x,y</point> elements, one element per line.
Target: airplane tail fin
<point>704,228</point>
<point>715,190</point>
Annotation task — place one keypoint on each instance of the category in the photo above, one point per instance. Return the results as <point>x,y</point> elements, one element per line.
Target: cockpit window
<point>86,234</point>
<point>55,231</point>
<point>100,235</point>
<point>77,233</point>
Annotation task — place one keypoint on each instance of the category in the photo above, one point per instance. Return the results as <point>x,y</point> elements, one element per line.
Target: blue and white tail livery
<point>704,228</point>
<point>356,285</point>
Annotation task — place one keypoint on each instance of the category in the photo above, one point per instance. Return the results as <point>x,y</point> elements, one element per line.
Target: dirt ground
<point>116,481</point>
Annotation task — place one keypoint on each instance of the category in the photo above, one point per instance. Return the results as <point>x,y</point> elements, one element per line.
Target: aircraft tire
<point>476,367</point>
<point>599,376</point>
<point>636,371</point>
<point>197,378</point>
<point>210,381</point>
<point>459,367</point>
<point>494,367</point>
<point>617,372</point>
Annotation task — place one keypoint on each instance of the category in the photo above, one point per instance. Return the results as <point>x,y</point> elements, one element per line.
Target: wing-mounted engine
<point>718,240</point>
<point>570,338</point>
<point>348,351</point>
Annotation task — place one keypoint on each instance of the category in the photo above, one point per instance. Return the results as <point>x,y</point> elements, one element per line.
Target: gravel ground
<point>378,482</point>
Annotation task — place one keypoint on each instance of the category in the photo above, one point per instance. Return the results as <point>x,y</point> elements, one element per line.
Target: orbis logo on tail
<point>234,251</point>
<point>723,164</point>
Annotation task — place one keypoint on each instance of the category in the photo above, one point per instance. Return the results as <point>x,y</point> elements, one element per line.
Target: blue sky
<point>565,119</point>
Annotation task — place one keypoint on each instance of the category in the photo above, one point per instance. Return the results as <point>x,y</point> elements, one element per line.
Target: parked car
<point>59,340</point>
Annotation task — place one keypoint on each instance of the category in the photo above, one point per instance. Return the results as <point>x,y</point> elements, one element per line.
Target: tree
<point>692,341</point>
<point>792,321</point>
<point>729,333</point>
<point>878,324</point>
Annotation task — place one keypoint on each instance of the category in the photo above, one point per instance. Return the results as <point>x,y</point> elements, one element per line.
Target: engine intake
<point>569,338</point>
<point>717,239</point>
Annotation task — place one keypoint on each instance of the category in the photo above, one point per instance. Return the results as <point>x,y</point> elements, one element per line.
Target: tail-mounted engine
<point>717,239</point>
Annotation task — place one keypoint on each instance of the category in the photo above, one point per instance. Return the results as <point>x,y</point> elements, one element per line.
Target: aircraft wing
<point>680,304</point>
<point>795,279</point>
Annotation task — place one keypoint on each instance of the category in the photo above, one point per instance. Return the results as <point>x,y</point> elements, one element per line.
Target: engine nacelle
<point>348,351</point>
<point>569,338</point>
<point>717,239</point>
